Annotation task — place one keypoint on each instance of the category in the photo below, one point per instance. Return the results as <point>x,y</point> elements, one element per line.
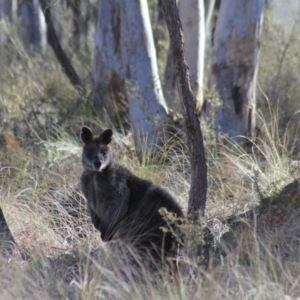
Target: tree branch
<point>57,48</point>
<point>198,191</point>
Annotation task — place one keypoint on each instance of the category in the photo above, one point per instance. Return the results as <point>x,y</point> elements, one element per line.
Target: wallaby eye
<point>103,152</point>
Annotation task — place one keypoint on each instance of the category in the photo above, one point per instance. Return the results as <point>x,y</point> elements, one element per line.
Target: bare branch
<point>57,48</point>
<point>197,198</point>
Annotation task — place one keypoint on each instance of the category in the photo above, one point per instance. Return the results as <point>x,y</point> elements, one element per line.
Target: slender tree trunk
<point>147,107</point>
<point>31,24</point>
<point>234,65</point>
<point>191,14</point>
<point>198,191</point>
<point>59,52</point>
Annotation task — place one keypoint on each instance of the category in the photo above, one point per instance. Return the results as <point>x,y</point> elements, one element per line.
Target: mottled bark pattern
<point>108,71</point>
<point>234,65</point>
<point>147,107</point>
<point>125,62</point>
<point>197,199</point>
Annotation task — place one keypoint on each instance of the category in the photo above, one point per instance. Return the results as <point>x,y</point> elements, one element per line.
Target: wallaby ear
<point>86,134</point>
<point>106,136</point>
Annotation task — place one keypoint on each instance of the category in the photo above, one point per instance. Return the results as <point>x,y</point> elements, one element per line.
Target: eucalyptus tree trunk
<point>32,25</point>
<point>234,66</point>
<point>125,63</point>
<point>209,12</point>
<point>191,14</point>
<point>108,71</point>
<point>147,107</point>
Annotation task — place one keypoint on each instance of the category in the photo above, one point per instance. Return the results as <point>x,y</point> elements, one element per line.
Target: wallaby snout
<point>97,164</point>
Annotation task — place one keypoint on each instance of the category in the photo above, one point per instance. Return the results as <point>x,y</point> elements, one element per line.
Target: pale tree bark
<point>8,10</point>
<point>32,25</point>
<point>209,12</point>
<point>147,107</point>
<point>198,191</point>
<point>191,14</point>
<point>108,71</point>
<point>193,22</point>
<point>125,62</point>
<point>234,66</point>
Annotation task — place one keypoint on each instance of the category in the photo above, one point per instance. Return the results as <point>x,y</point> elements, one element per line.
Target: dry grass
<point>65,258</point>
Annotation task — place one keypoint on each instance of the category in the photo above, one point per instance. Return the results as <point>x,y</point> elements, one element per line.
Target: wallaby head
<point>96,155</point>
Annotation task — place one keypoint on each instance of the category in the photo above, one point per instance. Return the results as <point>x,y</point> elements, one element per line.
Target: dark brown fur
<point>121,204</point>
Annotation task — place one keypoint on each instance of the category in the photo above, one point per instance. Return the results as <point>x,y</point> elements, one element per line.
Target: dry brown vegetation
<point>253,205</point>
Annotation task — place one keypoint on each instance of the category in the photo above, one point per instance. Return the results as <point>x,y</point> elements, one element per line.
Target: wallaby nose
<point>97,164</point>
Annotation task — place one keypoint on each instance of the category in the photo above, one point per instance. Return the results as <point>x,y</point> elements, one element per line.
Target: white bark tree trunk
<point>125,60</point>
<point>32,25</point>
<point>191,14</point>
<point>147,107</point>
<point>108,71</point>
<point>234,65</point>
<point>209,12</point>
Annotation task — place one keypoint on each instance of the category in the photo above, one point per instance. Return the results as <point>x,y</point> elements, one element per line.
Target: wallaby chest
<point>104,189</point>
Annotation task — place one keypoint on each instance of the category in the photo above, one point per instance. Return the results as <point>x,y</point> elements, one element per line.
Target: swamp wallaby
<point>122,205</point>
